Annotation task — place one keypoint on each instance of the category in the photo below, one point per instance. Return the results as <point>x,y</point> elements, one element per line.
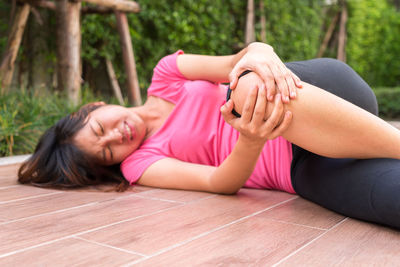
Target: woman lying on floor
<point>322,141</point>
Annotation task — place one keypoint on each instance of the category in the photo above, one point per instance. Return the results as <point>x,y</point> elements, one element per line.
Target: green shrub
<point>373,47</point>
<point>388,101</point>
<point>294,27</point>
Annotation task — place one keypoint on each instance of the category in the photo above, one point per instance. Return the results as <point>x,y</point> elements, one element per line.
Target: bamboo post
<point>328,35</point>
<point>14,41</point>
<point>68,48</point>
<point>129,59</point>
<point>341,54</point>
<point>114,81</point>
<point>250,22</point>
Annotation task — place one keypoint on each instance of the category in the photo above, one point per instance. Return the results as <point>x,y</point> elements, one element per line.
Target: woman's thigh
<point>337,78</point>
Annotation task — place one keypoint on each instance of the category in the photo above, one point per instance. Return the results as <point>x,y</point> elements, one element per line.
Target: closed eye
<point>101,127</point>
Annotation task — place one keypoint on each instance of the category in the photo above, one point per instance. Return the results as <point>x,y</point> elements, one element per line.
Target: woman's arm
<point>258,57</point>
<point>230,176</point>
<point>210,68</point>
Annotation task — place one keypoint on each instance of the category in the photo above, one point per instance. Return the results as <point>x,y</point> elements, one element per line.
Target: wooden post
<point>341,53</point>
<point>14,41</point>
<point>263,22</point>
<point>129,59</point>
<point>249,35</point>
<point>328,35</point>
<point>68,48</point>
<point>109,7</point>
<point>120,5</point>
<point>114,82</point>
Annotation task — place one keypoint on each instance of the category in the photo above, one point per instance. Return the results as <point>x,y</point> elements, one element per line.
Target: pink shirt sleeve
<point>167,81</point>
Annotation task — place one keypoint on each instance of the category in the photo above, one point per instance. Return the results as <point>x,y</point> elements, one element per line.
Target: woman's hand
<point>252,125</point>
<point>262,59</point>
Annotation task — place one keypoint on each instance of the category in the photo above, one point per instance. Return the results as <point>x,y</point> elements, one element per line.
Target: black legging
<point>367,189</point>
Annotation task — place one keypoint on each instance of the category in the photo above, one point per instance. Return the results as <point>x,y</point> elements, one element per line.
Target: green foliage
<point>293,28</point>
<point>162,27</point>
<point>4,17</point>
<point>373,47</point>
<point>388,101</point>
<point>204,27</point>
<point>25,115</point>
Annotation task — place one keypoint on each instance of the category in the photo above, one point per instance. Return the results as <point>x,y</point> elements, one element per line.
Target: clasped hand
<point>252,125</point>
<point>262,59</point>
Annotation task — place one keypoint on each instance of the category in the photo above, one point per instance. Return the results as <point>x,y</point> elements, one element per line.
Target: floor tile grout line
<point>9,186</point>
<point>161,199</point>
<point>299,224</point>
<point>310,242</point>
<point>81,233</point>
<point>50,212</point>
<point>66,209</point>
<point>109,246</point>
<point>31,197</point>
<point>176,201</point>
<point>126,220</point>
<point>208,232</point>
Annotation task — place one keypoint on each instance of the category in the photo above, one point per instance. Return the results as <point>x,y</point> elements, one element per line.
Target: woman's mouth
<point>129,131</point>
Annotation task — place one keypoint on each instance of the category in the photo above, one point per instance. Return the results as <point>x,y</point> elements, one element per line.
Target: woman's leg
<point>330,126</point>
<point>366,189</point>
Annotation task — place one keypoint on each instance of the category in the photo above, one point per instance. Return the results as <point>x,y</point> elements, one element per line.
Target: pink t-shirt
<point>196,132</point>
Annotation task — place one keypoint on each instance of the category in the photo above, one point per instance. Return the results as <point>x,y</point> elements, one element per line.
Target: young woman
<point>307,141</point>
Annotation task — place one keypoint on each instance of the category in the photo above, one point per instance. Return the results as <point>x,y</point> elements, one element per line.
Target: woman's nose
<point>112,136</point>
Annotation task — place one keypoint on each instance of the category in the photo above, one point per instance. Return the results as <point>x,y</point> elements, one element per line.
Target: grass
<point>25,115</point>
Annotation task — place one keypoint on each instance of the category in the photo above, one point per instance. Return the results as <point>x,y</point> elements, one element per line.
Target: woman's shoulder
<point>167,81</point>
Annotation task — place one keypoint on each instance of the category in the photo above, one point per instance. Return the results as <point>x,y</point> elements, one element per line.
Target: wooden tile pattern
<point>154,227</point>
<point>352,243</point>
<point>8,175</point>
<point>70,252</point>
<point>311,215</point>
<point>151,234</point>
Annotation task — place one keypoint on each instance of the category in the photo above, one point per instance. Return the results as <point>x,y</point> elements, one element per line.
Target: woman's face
<point>111,133</point>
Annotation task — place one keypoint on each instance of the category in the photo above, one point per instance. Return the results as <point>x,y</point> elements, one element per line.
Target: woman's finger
<point>279,76</point>
<point>260,107</point>
<point>249,104</point>
<point>278,131</point>
<point>226,111</point>
<point>233,76</point>
<point>297,80</point>
<point>291,86</point>
<point>276,115</point>
<point>267,76</point>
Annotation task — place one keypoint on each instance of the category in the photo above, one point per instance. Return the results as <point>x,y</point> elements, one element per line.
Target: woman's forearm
<point>231,175</point>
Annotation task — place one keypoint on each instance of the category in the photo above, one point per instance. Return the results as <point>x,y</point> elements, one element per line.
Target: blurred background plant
<point>294,28</point>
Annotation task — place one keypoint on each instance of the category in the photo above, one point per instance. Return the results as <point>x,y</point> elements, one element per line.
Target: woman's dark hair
<point>58,162</point>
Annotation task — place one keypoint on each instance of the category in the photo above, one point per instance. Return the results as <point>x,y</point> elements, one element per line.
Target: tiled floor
<point>154,227</point>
